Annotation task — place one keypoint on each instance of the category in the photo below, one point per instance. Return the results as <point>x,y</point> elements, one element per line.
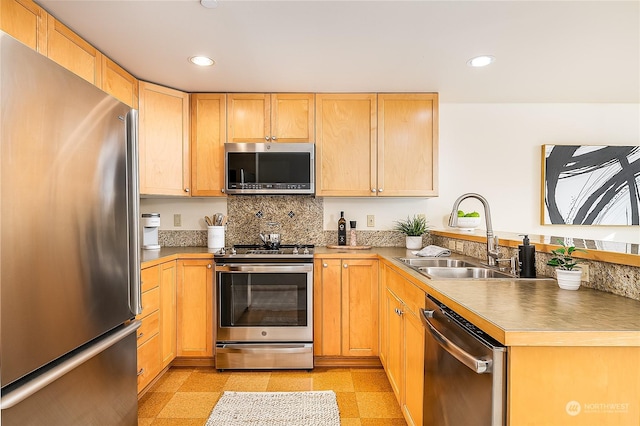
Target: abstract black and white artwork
<point>591,185</point>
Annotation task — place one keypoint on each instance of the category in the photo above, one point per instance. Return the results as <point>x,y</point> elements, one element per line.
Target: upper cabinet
<point>208,134</point>
<point>163,141</point>
<point>346,144</point>
<point>119,83</point>
<point>262,117</point>
<point>377,145</point>
<point>407,157</point>
<point>25,21</point>
<point>72,52</point>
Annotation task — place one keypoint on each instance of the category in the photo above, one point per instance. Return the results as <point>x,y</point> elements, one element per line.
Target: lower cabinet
<point>402,341</point>
<point>345,307</point>
<point>167,312</point>
<point>195,308</point>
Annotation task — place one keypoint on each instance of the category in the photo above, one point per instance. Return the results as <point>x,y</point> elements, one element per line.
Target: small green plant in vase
<point>414,228</point>
<point>568,272</point>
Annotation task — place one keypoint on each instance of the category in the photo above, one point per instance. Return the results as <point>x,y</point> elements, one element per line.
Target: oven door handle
<point>477,365</point>
<point>275,268</point>
<point>264,349</point>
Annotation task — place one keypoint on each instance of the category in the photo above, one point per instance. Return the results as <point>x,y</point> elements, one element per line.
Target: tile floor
<point>186,396</point>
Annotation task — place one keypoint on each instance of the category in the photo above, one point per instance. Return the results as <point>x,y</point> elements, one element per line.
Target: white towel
<point>433,251</point>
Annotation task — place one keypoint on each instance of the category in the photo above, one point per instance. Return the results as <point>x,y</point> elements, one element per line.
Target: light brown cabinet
<point>263,117</point>
<point>167,312</point>
<point>195,308</point>
<point>117,82</point>
<point>208,135</point>
<point>345,307</point>
<point>164,162</point>
<point>377,145</point>
<point>402,342</point>
<point>25,21</point>
<point>149,340</point>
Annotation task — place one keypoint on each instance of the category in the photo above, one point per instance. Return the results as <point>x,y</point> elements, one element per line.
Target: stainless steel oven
<point>264,312</point>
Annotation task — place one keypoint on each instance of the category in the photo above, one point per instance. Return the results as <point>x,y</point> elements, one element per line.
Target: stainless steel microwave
<point>269,168</point>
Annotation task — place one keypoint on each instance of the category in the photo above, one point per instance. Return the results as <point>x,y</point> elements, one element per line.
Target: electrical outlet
<point>452,245</point>
<point>177,220</point>
<point>459,246</point>
<point>585,273</point>
<point>371,220</point>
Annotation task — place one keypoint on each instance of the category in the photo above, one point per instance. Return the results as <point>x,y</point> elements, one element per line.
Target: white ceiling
<point>546,51</point>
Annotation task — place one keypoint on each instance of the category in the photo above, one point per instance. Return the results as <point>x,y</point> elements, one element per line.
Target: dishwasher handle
<point>477,365</point>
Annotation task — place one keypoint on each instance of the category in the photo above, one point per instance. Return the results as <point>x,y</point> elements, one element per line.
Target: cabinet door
<point>168,312</point>
<point>393,334</point>
<point>195,308</point>
<point>327,328</point>
<point>413,350</point>
<point>208,135</point>
<point>26,21</point>
<point>249,117</point>
<point>359,307</point>
<point>163,141</point>
<point>119,83</point>
<point>407,145</point>
<point>72,52</point>
<point>346,144</point>
<point>293,117</point>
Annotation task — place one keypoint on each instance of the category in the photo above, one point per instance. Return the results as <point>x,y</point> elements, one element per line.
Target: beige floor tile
<point>289,383</point>
<point>378,405</point>
<point>185,405</point>
<point>172,380</point>
<point>347,405</point>
<point>338,381</point>
<point>205,380</point>
<point>152,403</point>
<point>371,381</point>
<point>248,382</point>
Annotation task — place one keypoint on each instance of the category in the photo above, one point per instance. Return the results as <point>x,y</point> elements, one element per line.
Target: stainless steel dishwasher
<point>465,371</point>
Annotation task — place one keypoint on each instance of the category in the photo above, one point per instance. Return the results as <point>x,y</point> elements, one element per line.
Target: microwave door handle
<point>242,176</point>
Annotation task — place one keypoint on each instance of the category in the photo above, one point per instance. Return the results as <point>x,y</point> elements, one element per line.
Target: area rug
<point>313,408</point>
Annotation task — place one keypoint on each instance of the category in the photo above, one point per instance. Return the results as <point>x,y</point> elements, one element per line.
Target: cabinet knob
<point>266,138</point>
<point>373,190</point>
<point>141,372</point>
<point>208,266</point>
<point>324,265</point>
<point>345,265</point>
<point>222,190</point>
<point>186,190</point>
<point>380,190</point>
<point>140,335</point>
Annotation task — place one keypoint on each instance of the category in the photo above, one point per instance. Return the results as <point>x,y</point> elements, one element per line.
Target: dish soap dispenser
<point>527,258</point>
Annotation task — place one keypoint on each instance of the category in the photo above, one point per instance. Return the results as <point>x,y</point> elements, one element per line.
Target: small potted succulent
<point>568,272</point>
<point>414,228</point>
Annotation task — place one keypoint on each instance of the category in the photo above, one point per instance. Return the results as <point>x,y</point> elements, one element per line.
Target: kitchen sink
<point>462,272</point>
<point>430,262</point>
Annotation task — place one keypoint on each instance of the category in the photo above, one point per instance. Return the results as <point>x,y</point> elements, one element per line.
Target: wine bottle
<point>342,230</point>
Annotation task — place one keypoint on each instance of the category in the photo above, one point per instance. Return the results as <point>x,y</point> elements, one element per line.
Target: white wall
<point>491,149</point>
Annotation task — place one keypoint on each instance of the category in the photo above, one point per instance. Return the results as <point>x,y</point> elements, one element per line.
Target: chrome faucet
<point>492,242</point>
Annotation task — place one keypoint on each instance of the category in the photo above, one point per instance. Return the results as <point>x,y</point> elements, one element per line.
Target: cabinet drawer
<point>413,298</point>
<point>150,302</point>
<point>148,361</point>
<point>150,278</point>
<point>150,326</point>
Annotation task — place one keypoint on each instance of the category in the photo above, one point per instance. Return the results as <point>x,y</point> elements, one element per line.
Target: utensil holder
<point>215,237</point>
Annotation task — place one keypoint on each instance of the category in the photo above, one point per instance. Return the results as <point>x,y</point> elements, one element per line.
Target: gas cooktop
<point>255,251</point>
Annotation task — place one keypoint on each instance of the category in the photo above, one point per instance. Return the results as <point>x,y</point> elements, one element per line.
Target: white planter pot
<point>413,243</point>
<point>569,280</point>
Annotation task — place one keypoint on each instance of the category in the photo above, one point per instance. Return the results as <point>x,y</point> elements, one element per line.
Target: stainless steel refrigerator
<point>69,259</point>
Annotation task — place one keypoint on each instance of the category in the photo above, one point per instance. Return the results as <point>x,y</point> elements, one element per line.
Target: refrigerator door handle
<point>133,209</point>
<point>21,393</point>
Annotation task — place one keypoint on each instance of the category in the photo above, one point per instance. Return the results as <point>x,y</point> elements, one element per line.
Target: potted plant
<point>567,271</point>
<point>414,228</point>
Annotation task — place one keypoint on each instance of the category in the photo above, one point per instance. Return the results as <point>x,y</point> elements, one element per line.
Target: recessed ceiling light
<point>209,4</point>
<point>202,61</point>
<point>480,61</point>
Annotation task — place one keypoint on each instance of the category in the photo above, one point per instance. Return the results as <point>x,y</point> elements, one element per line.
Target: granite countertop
<point>516,312</point>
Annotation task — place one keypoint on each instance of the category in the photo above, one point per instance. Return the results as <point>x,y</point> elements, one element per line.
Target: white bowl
<point>468,223</point>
